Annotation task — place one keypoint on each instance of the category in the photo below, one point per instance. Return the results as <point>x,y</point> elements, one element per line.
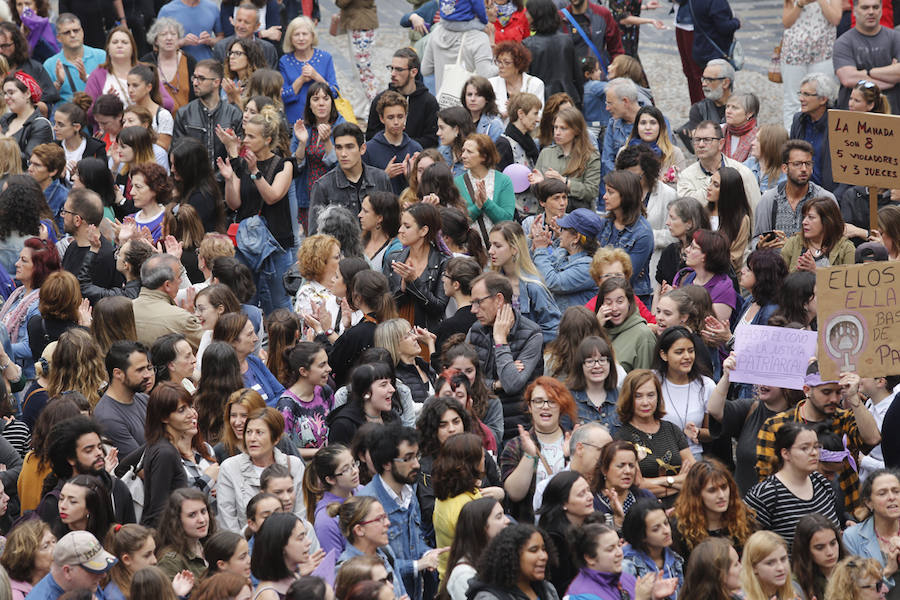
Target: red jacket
<point>515,31</point>
<point>642,309</point>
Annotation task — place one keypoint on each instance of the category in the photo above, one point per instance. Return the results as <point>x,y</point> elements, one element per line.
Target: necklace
<point>687,403</point>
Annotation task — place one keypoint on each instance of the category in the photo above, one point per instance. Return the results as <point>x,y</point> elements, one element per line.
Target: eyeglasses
<point>808,448</point>
<point>65,211</point>
<point>237,53</point>
<point>504,63</point>
<point>389,578</point>
<point>596,361</point>
<point>705,140</point>
<point>801,163</point>
<point>865,83</point>
<point>541,402</point>
<point>382,517</point>
<point>392,68</point>
<point>803,94</point>
<point>476,302</point>
<point>411,333</point>
<point>406,459</point>
<point>354,466</point>
<point>195,77</point>
<point>711,79</point>
<point>877,586</point>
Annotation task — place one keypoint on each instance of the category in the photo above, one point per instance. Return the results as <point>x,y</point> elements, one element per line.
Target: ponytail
<point>475,248</point>
<point>372,289</point>
<point>323,464</point>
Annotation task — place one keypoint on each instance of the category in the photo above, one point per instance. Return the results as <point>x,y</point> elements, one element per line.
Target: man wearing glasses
<point>421,119</point>
<point>718,85</point>
<point>201,116</point>
<point>83,209</point>
<point>708,146</point>
<point>817,93</point>
<point>70,68</point>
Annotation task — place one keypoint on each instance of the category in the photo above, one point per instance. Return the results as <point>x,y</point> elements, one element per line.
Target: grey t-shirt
<point>867,52</point>
<point>123,424</point>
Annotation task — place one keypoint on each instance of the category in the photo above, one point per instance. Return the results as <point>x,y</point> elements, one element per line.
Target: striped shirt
<point>779,510</point>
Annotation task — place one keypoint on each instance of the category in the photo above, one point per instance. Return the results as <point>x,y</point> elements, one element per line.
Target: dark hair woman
<point>615,481</point>
<point>69,128</point>
<point>372,389</point>
<point>782,498</point>
<point>713,571</point>
<point>816,551</point>
<point>220,376</point>
<point>632,339</point>
<point>797,299</point>
<point>567,502</point>
<point>458,355</point>
<point>415,271</point>
<point>684,217</point>
<point>379,218</point>
<point>480,100</point>
<point>821,241</point>
<point>24,123</point>
<point>515,562</point>
<point>94,174</point>
<point>308,400</point>
<point>648,534</point>
<point>454,127</point>
<point>331,477</point>
<point>625,227</point>
<point>227,552</point>
<point>436,186</point>
<point>479,522</point>
<point>593,381</point>
<point>195,183</point>
<point>185,524</point>
<point>553,58</point>
<point>710,506</point>
<point>727,204</point>
<point>708,263</point>
<point>460,237</point>
<point>84,505</point>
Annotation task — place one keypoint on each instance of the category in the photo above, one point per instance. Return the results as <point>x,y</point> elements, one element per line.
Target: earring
<point>366,396</point>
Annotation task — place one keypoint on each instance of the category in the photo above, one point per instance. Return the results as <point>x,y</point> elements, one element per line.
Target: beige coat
<point>155,314</point>
<point>358,14</point>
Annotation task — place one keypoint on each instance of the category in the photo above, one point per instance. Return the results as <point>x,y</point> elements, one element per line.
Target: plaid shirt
<point>843,423</point>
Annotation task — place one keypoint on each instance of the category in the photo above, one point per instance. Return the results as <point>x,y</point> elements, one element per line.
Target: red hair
<point>557,392</point>
<point>45,259</point>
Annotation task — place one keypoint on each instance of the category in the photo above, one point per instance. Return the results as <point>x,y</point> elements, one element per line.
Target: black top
<point>163,473</point>
<point>205,205</point>
<point>42,331</point>
<point>278,215</point>
<point>409,375</point>
<point>670,262</point>
<point>346,419</point>
<point>190,262</point>
<point>348,347</point>
<point>96,18</point>
<point>461,322</point>
<point>103,269</point>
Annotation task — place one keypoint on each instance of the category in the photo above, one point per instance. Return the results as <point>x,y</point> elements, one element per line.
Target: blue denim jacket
<point>606,415</point>
<point>490,125</point>
<point>639,564</point>
<point>862,540</point>
<point>405,535</point>
<point>637,241</point>
<point>387,557</point>
<point>456,168</point>
<point>617,131</point>
<point>537,304</point>
<point>567,276</point>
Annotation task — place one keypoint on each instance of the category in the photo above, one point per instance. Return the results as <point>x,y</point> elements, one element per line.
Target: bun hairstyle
<point>271,122</point>
<point>299,356</point>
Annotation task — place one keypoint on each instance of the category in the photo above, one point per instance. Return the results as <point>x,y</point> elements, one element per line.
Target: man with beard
<point>82,209</point>
<point>123,408</point>
<point>780,209</point>
<point>395,455</point>
<point>421,119</point>
<point>76,449</point>
<point>835,406</point>
<point>718,83</point>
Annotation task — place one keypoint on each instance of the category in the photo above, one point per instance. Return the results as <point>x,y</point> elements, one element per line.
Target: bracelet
<point>534,458</point>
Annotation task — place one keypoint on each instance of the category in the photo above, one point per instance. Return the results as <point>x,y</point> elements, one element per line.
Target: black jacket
<point>705,110</point>
<point>460,322</point>
<point>346,349</point>
<point>163,474</point>
<point>854,205</point>
<point>35,131</point>
<point>122,503</point>
<point>346,419</point>
<point>94,148</point>
<point>95,272</point>
<point>196,121</point>
<point>426,292</point>
<point>409,375</point>
<point>553,62</point>
<point>421,117</point>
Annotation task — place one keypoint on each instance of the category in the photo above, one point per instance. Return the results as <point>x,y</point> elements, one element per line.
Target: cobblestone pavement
<point>761,30</point>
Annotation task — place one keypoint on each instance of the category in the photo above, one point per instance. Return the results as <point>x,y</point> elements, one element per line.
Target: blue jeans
<point>270,291</point>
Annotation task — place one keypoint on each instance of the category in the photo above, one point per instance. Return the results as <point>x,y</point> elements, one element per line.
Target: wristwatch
<point>670,481</point>
<point>256,176</point>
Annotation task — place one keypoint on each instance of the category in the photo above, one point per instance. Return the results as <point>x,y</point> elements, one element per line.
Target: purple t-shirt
<point>720,288</point>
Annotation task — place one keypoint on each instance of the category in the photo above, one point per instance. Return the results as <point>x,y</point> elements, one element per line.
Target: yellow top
<point>446,513</point>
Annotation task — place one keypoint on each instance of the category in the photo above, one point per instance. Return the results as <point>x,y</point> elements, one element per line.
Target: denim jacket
<point>404,536</point>
<point>490,125</point>
<point>861,540</point>
<point>637,241</point>
<point>639,564</point>
<point>536,303</point>
<point>606,414</point>
<point>456,168</point>
<point>567,276</point>
<point>387,557</point>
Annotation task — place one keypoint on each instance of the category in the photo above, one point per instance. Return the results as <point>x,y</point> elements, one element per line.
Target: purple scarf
<point>38,29</point>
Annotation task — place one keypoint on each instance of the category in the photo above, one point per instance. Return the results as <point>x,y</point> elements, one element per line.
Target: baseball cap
<point>583,220</point>
<point>871,252</point>
<point>813,377</point>
<point>82,548</point>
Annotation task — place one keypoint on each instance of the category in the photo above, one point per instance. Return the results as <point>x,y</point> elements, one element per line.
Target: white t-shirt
<point>163,123</point>
<point>119,87</point>
<point>687,404</point>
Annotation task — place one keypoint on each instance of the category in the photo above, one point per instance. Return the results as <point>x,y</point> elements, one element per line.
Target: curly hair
<point>21,204</point>
<point>429,422</point>
<point>577,323</point>
<point>22,545</point>
<point>171,531</point>
<point>255,57</point>
<point>556,392</point>
<point>314,254</point>
<point>500,564</point>
<point>737,519</point>
<point>807,573</point>
<point>521,56</point>
<point>455,469</point>
<point>707,571</point>
<point>157,180</point>
<point>844,581</point>
<point>77,365</point>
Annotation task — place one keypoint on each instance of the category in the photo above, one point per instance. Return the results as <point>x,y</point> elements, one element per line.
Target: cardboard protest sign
<point>773,356</point>
<point>859,319</point>
<point>865,150</point>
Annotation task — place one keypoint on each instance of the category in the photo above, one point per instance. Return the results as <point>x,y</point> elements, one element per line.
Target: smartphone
<point>768,236</point>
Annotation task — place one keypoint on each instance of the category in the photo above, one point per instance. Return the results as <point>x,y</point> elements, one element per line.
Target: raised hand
<point>225,169</point>
<point>93,238</point>
<point>301,133</point>
<point>528,445</point>
<point>503,323</point>
<point>183,583</point>
<point>85,313</point>
<point>311,563</point>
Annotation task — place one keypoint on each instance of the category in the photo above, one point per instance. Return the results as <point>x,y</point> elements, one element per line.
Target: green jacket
<point>843,253</point>
<point>500,207</point>
<point>584,189</point>
<point>633,342</point>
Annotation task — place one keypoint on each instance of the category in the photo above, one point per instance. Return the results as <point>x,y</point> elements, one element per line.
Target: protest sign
<point>773,356</point>
<point>859,319</point>
<point>864,151</point>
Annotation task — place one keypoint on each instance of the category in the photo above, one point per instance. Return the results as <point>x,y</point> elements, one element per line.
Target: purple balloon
<point>519,175</point>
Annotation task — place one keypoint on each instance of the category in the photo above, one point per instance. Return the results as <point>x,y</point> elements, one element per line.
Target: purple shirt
<point>602,585</point>
<point>720,288</point>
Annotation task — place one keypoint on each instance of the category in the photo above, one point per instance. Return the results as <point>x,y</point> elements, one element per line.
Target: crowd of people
<point>254,345</point>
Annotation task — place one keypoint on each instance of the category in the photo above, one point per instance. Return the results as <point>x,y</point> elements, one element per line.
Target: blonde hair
<point>522,267</point>
<point>389,334</point>
<point>844,581</point>
<point>760,545</point>
<point>77,365</point>
<point>10,157</point>
<point>296,22</point>
<point>313,255</point>
<point>215,245</point>
<point>606,256</point>
<point>271,122</point>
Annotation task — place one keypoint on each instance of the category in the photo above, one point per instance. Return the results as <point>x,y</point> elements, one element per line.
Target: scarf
<point>653,146</point>
<point>525,141</point>
<point>13,314</point>
<point>505,13</point>
<point>743,148</point>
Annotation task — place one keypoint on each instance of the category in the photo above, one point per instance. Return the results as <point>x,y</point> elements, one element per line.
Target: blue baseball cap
<point>583,220</point>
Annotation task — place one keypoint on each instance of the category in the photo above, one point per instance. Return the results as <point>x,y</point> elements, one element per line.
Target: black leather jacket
<point>426,292</point>
<point>196,121</point>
